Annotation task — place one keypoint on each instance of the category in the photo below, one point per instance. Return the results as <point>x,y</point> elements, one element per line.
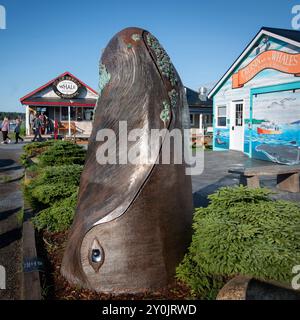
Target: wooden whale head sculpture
<point>133,221</point>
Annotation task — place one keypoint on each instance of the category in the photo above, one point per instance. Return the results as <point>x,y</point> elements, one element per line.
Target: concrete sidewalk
<point>215,176</point>
<point>11,202</point>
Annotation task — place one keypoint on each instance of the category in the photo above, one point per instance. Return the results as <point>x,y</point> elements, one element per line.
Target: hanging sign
<point>67,87</point>
<point>273,59</point>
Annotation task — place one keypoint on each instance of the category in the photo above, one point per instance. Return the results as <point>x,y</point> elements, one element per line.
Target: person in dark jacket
<point>17,130</point>
<point>37,124</point>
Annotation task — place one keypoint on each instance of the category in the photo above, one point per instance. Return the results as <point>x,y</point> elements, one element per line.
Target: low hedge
<point>52,182</point>
<point>62,153</point>
<point>58,217</point>
<point>242,232</point>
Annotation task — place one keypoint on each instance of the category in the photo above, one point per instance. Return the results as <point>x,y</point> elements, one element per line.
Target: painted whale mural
<point>275,132</point>
<point>280,154</point>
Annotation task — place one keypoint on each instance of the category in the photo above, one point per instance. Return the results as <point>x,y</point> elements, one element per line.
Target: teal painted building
<point>256,104</point>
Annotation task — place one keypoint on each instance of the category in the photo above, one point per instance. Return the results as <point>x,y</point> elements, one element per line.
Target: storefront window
<point>73,113</point>
<point>41,110</point>
<point>221,116</point>
<point>192,119</point>
<point>50,112</point>
<point>57,114</point>
<point>64,114</point>
<point>79,114</point>
<point>88,114</point>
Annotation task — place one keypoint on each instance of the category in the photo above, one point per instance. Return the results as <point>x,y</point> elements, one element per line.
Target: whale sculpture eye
<point>96,255</point>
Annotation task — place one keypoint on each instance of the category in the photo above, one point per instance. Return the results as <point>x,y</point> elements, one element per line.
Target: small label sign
<point>33,264</point>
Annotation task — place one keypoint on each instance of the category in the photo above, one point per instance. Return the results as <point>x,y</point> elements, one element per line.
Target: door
<point>237,126</point>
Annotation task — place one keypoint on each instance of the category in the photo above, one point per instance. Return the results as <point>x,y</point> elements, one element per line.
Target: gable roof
<point>193,99</point>
<point>52,81</point>
<point>289,36</point>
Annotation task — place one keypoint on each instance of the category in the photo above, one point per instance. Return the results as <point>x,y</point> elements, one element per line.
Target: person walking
<point>42,118</point>
<point>31,119</point>
<point>17,130</point>
<point>37,124</point>
<point>5,130</point>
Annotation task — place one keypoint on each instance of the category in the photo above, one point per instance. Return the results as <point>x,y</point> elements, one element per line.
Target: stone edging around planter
<point>31,286</point>
<point>249,288</point>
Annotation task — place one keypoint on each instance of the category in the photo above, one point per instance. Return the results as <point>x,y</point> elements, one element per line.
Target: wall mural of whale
<point>289,155</point>
<point>133,221</point>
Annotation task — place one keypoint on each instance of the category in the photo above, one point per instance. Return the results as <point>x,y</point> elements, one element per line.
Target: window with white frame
<point>221,116</point>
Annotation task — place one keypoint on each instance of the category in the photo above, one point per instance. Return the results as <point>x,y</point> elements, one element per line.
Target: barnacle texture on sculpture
<point>133,220</point>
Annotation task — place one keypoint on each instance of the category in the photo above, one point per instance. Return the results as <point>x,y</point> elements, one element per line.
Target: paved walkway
<point>215,175</point>
<point>11,203</point>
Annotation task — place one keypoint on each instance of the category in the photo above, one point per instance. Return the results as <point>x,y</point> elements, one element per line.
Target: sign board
<point>33,264</point>
<point>272,59</point>
<point>67,87</point>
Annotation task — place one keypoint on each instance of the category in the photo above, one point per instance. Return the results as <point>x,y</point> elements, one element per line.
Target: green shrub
<point>58,217</point>
<point>34,149</point>
<point>242,232</point>
<point>52,184</point>
<point>48,193</point>
<point>62,153</point>
<point>65,173</point>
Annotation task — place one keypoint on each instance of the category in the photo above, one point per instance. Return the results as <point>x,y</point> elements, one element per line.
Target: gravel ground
<point>11,203</point>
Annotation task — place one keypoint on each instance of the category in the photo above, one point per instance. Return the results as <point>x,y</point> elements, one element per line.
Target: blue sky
<point>45,38</point>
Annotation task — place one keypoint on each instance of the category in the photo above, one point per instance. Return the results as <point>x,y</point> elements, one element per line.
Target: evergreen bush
<point>58,217</point>
<point>242,232</point>
<point>62,153</point>
<point>52,184</point>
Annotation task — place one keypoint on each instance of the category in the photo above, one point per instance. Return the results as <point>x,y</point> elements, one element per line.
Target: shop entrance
<point>237,126</point>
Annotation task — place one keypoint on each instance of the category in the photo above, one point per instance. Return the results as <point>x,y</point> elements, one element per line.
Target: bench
<point>287,176</point>
<point>64,129</point>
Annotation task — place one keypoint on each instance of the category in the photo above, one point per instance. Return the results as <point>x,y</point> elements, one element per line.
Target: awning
<point>59,102</point>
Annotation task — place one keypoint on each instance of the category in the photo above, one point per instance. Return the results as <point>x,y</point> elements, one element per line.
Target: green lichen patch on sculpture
<point>136,37</point>
<point>165,114</point>
<point>173,97</point>
<point>104,77</point>
<point>162,59</point>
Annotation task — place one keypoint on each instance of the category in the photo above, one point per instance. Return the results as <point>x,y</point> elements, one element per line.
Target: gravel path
<point>11,202</point>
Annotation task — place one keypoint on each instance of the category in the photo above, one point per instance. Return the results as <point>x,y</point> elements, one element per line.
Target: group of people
<point>40,124</point>
<point>5,131</point>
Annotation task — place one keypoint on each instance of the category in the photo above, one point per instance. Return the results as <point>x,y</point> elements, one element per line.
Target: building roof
<point>286,33</point>
<point>194,100</point>
<point>290,36</point>
<point>48,84</point>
